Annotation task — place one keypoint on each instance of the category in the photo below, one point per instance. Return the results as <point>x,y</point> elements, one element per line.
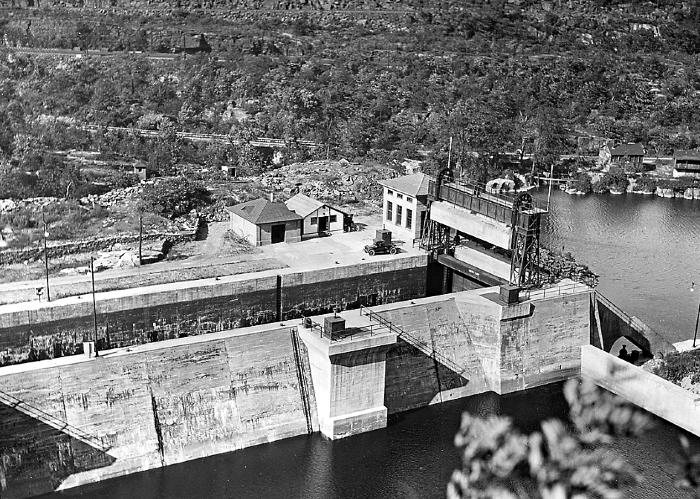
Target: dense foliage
<point>614,179</point>
<point>556,462</point>
<point>495,78</point>
<point>677,365</point>
<point>174,196</point>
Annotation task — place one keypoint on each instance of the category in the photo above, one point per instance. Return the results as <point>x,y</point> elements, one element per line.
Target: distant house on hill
<point>318,217</point>
<point>686,163</point>
<point>628,153</point>
<point>263,222</point>
<point>405,205</point>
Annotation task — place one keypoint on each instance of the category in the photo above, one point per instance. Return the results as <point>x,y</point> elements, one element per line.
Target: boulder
<point>7,205</point>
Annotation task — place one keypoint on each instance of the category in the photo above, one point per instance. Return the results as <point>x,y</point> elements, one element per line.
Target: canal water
<point>646,250</point>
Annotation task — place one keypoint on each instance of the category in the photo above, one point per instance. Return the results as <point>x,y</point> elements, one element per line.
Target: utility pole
<point>549,194</point>
<point>46,255</point>
<point>697,319</point>
<point>94,303</point>
<point>449,155</point>
<point>140,237</point>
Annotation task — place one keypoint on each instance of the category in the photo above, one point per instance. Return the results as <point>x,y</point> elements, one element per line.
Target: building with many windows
<point>405,205</point>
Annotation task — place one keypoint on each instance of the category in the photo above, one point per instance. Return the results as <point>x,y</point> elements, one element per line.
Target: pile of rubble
<point>123,256</point>
<point>560,266</point>
<point>8,205</point>
<point>338,181</point>
<point>112,198</point>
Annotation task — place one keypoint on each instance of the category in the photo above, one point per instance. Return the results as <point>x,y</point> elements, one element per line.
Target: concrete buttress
<point>349,381</point>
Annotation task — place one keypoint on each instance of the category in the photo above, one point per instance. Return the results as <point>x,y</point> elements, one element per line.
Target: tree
<point>557,462</point>
<point>547,139</point>
<point>176,196</point>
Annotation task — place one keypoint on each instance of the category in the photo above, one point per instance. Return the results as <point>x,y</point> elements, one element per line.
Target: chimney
<point>272,197</point>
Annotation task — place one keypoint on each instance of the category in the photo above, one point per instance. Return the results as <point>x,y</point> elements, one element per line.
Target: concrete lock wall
<point>154,313</point>
<point>653,393</point>
<point>159,405</point>
<point>467,343</point>
<point>163,403</point>
<point>543,346</point>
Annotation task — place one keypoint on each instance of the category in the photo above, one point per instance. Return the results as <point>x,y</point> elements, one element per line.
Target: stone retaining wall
<point>60,249</point>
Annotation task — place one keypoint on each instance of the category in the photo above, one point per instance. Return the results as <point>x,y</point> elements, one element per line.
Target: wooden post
<point>140,238</point>
<point>46,255</point>
<point>94,303</point>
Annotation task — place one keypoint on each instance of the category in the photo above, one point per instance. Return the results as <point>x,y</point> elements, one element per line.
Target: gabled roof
<point>262,211</point>
<point>684,155</point>
<point>411,185</point>
<point>628,150</point>
<point>303,205</point>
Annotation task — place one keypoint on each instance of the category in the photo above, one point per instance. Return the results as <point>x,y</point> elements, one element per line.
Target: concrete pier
<point>349,376</point>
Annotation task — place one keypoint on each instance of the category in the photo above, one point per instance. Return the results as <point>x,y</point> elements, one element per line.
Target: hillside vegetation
<point>378,80</point>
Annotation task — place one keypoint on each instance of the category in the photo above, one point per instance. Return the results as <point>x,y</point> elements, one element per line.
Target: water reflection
<point>645,249</point>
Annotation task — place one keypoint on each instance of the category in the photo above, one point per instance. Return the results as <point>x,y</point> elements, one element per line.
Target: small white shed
<point>318,217</point>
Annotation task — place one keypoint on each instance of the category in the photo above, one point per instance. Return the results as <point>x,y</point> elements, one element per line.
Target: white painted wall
<point>677,174</point>
<point>407,232</point>
<point>244,228</point>
<point>324,211</point>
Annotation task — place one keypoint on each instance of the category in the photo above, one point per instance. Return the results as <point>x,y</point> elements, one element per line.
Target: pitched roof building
<point>318,217</point>
<point>262,222</point>
<point>686,163</point>
<point>411,185</point>
<point>633,153</point>
<point>260,211</point>
<point>405,205</point>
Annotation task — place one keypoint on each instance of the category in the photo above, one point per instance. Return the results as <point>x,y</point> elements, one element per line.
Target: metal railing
<point>345,334</point>
<point>53,421</point>
<point>542,293</point>
<point>421,345</point>
<point>477,198</point>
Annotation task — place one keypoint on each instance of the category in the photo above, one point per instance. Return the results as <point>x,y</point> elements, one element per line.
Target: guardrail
<point>477,198</point>
<point>53,421</point>
<point>421,345</point>
<point>542,293</point>
<point>345,334</point>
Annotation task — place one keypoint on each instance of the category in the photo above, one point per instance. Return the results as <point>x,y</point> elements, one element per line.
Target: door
<point>277,233</point>
<point>322,224</point>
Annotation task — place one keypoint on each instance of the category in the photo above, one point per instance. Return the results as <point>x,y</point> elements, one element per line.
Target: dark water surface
<point>646,250</point>
<point>412,458</point>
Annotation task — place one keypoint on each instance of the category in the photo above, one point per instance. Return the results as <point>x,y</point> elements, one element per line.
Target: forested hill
<point>364,77</point>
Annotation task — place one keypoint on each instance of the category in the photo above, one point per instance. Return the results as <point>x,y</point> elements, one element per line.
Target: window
<point>398,215</point>
<point>389,192</point>
<point>388,211</point>
<point>314,220</point>
<point>400,196</point>
<point>334,218</point>
<point>409,199</point>
<point>409,218</point>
